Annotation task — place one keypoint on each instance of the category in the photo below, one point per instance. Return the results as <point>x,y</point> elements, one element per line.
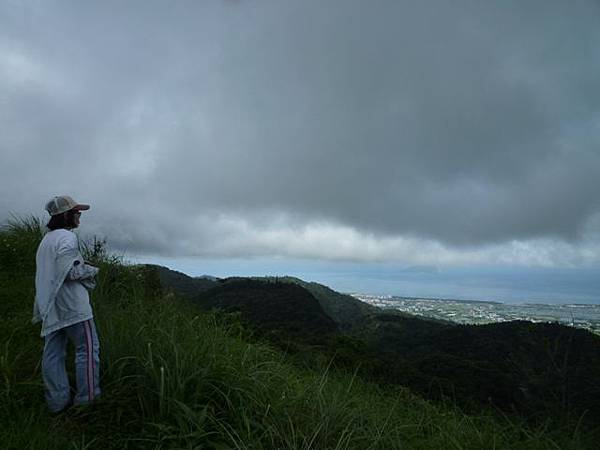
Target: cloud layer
<point>427,132</point>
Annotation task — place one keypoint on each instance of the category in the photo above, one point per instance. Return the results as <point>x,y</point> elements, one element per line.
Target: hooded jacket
<point>61,279</point>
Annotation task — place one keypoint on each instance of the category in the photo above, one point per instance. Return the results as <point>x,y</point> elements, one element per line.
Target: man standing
<point>62,304</point>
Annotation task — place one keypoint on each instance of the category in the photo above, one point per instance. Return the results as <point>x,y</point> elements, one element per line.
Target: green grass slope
<point>175,377</point>
<point>538,370</point>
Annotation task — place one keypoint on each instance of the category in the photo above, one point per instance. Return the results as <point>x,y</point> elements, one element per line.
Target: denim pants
<point>87,358</point>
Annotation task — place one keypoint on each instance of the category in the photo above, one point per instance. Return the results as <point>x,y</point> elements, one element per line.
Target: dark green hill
<point>180,283</point>
<point>534,368</point>
<point>348,312</point>
<point>352,315</point>
<point>284,308</point>
<point>397,334</point>
<point>537,369</point>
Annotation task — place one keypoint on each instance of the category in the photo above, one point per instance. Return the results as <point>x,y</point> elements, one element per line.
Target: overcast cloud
<point>425,132</point>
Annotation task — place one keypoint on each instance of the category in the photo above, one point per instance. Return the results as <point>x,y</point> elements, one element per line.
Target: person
<point>62,305</point>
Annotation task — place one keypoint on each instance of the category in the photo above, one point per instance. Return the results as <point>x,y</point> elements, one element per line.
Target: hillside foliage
<point>538,370</point>
<point>175,376</point>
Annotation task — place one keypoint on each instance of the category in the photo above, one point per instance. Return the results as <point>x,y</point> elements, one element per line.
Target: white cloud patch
<point>277,236</point>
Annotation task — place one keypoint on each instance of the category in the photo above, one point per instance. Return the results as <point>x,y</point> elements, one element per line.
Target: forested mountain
<point>533,368</point>
<point>181,283</point>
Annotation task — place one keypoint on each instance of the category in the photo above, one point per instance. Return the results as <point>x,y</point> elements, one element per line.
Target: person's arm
<point>80,270</point>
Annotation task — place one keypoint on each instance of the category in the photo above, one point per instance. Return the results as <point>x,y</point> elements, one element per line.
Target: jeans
<point>87,358</point>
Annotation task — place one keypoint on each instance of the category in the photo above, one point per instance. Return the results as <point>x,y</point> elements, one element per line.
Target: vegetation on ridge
<point>175,377</point>
<point>538,370</point>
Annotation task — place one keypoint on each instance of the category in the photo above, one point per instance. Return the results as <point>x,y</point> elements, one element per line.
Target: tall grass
<point>177,378</point>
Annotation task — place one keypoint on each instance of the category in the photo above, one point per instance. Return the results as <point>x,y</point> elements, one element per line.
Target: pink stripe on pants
<point>90,359</point>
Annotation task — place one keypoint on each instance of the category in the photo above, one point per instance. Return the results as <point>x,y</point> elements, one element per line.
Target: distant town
<point>480,312</point>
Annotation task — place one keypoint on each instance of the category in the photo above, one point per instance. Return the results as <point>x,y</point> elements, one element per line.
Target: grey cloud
<point>468,123</point>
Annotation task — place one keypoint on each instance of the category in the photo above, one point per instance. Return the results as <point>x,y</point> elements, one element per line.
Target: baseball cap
<point>64,203</point>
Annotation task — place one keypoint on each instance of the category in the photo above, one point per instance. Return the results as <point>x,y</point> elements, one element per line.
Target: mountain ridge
<point>514,366</point>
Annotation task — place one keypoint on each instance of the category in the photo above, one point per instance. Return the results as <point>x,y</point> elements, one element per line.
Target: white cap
<point>63,203</point>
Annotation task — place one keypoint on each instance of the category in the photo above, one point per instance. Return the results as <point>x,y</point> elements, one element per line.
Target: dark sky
<point>420,132</point>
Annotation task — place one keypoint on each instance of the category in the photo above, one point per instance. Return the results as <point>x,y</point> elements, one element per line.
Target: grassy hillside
<point>539,370</point>
<point>175,377</point>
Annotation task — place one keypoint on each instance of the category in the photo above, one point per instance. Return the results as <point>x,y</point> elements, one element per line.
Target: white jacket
<point>61,278</point>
